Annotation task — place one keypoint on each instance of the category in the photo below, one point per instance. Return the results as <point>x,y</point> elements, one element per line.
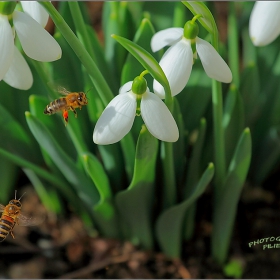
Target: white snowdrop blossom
<point>36,42</point>
<point>264,24</point>
<point>178,59</point>
<point>118,117</point>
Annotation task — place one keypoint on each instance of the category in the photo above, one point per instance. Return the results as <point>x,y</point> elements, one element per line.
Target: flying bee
<point>12,215</point>
<point>71,101</point>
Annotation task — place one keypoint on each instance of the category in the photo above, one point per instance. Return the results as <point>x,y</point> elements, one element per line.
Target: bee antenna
<point>15,194</point>
<point>22,195</point>
<point>89,90</point>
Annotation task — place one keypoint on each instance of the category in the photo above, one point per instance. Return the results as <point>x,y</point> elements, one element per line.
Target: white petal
<point>6,46</point>
<point>19,74</point>
<point>116,120</point>
<point>36,42</point>
<point>166,37</point>
<point>177,65</point>
<point>36,11</point>
<point>264,24</point>
<point>213,64</point>
<point>126,87</point>
<point>158,118</point>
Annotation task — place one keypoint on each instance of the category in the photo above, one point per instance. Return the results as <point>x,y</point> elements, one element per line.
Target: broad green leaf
<point>52,179</point>
<point>47,194</point>
<point>104,211</point>
<point>225,204</point>
<point>194,166</point>
<point>114,54</point>
<point>101,61</point>
<point>142,38</point>
<point>193,176</point>
<point>233,121</point>
<point>75,176</point>
<point>250,93</point>
<point>96,172</point>
<point>195,98</point>
<point>267,156</point>
<point>207,20</point>
<point>8,174</point>
<point>148,62</point>
<point>135,203</point>
<point>169,225</point>
<point>15,139</point>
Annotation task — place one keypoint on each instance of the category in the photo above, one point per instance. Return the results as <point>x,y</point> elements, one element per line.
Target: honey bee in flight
<point>11,216</point>
<point>71,101</point>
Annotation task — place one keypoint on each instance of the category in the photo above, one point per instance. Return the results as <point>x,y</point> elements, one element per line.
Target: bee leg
<point>65,116</point>
<point>74,111</point>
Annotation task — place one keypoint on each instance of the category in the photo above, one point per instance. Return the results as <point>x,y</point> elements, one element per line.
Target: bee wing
<point>62,90</point>
<point>23,220</point>
<point>2,207</point>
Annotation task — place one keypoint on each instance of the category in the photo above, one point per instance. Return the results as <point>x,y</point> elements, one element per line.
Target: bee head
<point>15,202</point>
<point>82,98</point>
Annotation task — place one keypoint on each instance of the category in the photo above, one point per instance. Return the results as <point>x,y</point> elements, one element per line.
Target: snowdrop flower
<point>134,98</point>
<point>36,42</point>
<point>264,24</point>
<point>178,59</point>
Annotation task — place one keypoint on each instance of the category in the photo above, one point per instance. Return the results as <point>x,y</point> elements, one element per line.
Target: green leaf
<point>142,38</point>
<point>193,175</point>
<point>195,98</point>
<point>75,176</point>
<point>233,121</point>
<point>8,175</point>
<point>47,194</point>
<point>169,225</point>
<point>226,201</point>
<point>135,203</point>
<point>105,211</point>
<point>148,62</point>
<point>267,156</point>
<point>207,20</point>
<point>15,139</point>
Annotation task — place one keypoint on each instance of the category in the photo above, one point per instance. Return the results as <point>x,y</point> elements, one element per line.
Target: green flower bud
<point>191,30</point>
<point>139,85</point>
<point>7,8</point>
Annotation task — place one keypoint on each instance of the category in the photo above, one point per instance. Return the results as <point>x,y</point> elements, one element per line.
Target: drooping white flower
<point>178,59</point>
<point>118,117</point>
<point>264,24</point>
<point>36,42</point>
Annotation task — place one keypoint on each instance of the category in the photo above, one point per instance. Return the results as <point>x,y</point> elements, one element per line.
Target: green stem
<point>219,138</point>
<point>233,44</point>
<point>98,80</point>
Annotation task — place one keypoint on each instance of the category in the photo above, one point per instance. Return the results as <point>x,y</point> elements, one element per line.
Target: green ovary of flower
<point>191,30</point>
<point>139,85</point>
<point>7,7</point>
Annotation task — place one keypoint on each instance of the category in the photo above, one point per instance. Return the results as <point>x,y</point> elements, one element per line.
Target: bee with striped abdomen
<point>11,216</point>
<point>71,101</point>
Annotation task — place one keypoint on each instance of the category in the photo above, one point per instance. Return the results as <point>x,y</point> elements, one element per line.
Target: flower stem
<point>98,80</point>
